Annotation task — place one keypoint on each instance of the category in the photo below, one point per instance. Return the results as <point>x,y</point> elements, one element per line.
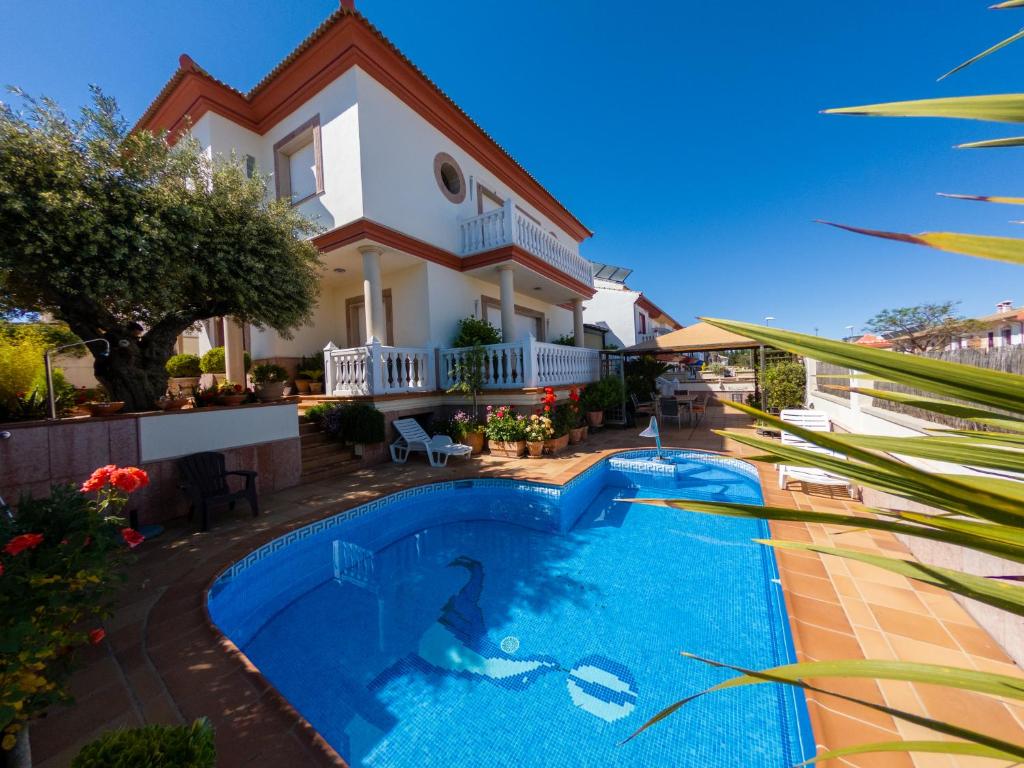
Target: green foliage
<point>125,237</point>
<point>640,375</point>
<point>921,328</point>
<point>314,362</point>
<point>52,335</point>
<point>505,425</point>
<point>312,374</point>
<point>317,412</point>
<point>565,340</point>
<point>602,394</point>
<point>472,331</point>
<point>785,383</point>
<point>213,361</point>
<point>357,423</point>
<point>566,416</point>
<point>468,374</point>
<point>54,592</point>
<point>152,746</point>
<point>269,373</point>
<point>23,375</point>
<point>186,366</point>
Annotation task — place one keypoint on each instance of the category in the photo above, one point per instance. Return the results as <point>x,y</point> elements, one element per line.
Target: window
<point>1007,336</point>
<point>991,339</point>
<point>643,323</point>
<point>449,177</point>
<point>299,163</point>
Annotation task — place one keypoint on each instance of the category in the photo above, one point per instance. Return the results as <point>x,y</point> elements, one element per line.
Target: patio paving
<point>162,663</point>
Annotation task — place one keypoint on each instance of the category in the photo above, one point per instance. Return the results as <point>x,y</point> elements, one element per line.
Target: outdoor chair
<point>638,407</point>
<point>698,408</point>
<point>813,421</point>
<point>204,478</point>
<point>412,437</point>
<point>669,409</point>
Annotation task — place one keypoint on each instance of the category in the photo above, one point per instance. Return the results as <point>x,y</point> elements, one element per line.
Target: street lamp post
<point>849,329</point>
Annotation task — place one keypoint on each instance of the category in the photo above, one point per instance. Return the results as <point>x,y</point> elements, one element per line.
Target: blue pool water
<point>504,623</point>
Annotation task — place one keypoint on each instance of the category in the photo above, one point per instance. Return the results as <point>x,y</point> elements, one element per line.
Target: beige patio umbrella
<point>699,337</point>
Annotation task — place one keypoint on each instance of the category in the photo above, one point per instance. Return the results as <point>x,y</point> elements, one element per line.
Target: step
<point>327,472</point>
<point>322,456</point>
<point>324,449</point>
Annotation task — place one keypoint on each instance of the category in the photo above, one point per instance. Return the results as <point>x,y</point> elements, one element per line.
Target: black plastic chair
<point>204,477</point>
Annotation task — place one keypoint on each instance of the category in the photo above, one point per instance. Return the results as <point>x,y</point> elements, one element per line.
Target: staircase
<point>323,458</point>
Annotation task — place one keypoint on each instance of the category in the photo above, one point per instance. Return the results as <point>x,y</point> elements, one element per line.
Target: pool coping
<point>309,733</point>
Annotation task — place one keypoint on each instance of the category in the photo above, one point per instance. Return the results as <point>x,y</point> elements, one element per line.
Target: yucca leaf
<point>1007,4</point>
<point>945,407</point>
<point>952,450</point>
<point>985,198</point>
<point>768,676</point>
<point>1009,141</point>
<point>1009,249</point>
<point>984,386</point>
<point>978,436</point>
<point>1010,489</point>
<point>1007,545</point>
<point>987,52</point>
<point>934,747</point>
<point>1000,108</point>
<point>1000,594</point>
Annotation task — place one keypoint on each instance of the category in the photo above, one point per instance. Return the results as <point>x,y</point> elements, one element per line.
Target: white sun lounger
<point>412,437</point>
<point>813,421</point>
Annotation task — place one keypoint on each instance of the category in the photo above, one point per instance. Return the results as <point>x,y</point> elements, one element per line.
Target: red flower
<point>1,569</point>
<point>98,478</point>
<point>96,636</point>
<point>238,387</point>
<point>129,479</point>
<point>132,537</point>
<point>24,541</point>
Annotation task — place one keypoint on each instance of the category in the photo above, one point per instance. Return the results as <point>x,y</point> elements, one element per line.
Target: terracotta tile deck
<point>161,662</point>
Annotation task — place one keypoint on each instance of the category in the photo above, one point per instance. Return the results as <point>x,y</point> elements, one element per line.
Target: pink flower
<point>132,537</point>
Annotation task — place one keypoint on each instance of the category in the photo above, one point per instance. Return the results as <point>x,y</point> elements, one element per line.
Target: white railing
<point>507,226</point>
<point>525,363</point>
<point>377,370</point>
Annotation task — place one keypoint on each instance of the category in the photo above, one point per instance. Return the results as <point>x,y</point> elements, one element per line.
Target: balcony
<point>377,370</point>
<point>508,226</point>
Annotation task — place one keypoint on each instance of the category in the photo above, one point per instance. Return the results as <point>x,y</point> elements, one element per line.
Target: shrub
<point>785,384</point>
<point>472,331</point>
<point>602,394</point>
<point>186,366</point>
<point>565,340</point>
<point>21,363</point>
<point>269,373</point>
<point>60,559</point>
<point>152,746</point>
<point>354,423</point>
<point>566,417</point>
<point>317,412</point>
<point>641,375</point>
<point>314,362</point>
<point>213,361</point>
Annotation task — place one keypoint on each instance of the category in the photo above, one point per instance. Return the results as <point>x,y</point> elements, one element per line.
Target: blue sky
<point>685,134</point>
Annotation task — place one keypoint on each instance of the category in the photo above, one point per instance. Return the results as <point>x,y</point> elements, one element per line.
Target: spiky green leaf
<point>1000,108</point>
<point>987,52</point>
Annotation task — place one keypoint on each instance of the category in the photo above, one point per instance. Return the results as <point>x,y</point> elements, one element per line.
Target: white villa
<point>1003,328</point>
<point>630,317</point>
<point>425,219</point>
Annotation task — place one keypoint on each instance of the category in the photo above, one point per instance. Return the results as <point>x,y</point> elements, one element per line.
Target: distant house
<point>1003,328</point>
<point>630,317</point>
<point>873,341</point>
<point>425,218</point>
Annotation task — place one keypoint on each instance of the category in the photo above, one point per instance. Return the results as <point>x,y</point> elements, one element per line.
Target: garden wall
<point>261,437</point>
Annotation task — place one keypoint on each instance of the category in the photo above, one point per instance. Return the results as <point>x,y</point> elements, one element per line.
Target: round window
<point>449,177</point>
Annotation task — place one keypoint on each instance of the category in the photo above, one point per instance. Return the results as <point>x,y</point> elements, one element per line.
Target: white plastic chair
<point>813,421</point>
<point>412,437</point>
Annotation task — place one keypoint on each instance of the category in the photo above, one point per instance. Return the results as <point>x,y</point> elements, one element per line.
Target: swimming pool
<point>507,623</point>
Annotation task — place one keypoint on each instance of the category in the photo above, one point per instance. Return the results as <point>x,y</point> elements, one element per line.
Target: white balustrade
<point>508,226</point>
<point>377,370</point>
<point>525,363</point>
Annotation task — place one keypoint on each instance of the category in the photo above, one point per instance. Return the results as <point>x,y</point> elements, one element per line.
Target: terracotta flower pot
<point>557,444</point>
<point>535,448</point>
<point>104,409</point>
<point>302,386</point>
<point>231,399</point>
<point>577,435</point>
<point>316,387</point>
<point>595,418</point>
<point>171,403</point>
<point>508,450</point>
<point>184,384</point>
<point>474,440</point>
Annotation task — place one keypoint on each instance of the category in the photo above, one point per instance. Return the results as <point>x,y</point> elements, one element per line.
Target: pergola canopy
<point>699,337</point>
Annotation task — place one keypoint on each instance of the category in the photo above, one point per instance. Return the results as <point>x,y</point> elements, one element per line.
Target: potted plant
<point>468,431</point>
<point>314,380</point>
<point>184,371</point>
<point>577,429</point>
<point>506,432</point>
<point>270,381</point>
<point>172,401</point>
<point>562,421</point>
<point>597,397</point>
<point>356,423</point>
<point>213,363</point>
<point>101,405</point>
<point>229,393</point>
<point>307,363</point>
<point>538,430</point>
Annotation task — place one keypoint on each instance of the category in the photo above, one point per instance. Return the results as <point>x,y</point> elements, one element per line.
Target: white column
<point>508,303</point>
<point>234,353</point>
<point>373,295</point>
<point>577,323</point>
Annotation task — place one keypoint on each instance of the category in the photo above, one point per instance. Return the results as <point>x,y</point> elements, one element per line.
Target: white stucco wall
<point>399,189</point>
<point>177,434</point>
<point>617,308</point>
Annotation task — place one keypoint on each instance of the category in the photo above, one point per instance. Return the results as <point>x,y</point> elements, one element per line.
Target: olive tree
<point>131,238</point>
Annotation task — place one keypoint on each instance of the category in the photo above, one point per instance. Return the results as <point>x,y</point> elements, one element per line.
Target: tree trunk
<point>134,371</point>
